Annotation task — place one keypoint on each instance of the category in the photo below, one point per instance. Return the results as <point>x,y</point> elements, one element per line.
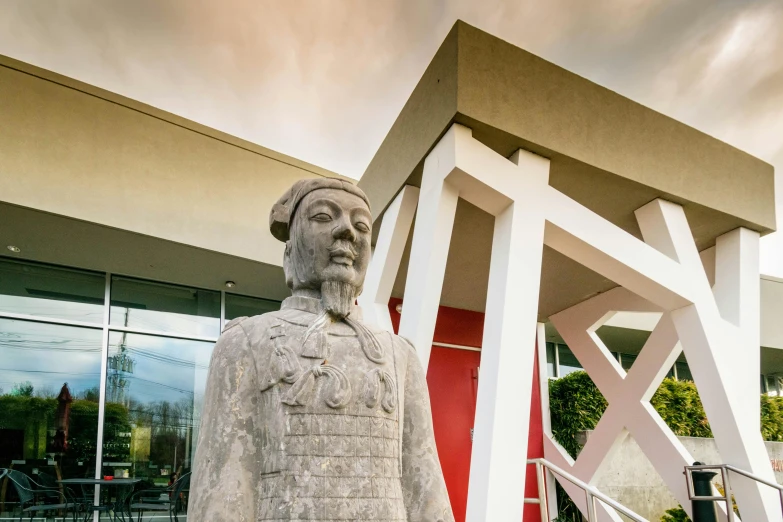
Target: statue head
<point>326,225</point>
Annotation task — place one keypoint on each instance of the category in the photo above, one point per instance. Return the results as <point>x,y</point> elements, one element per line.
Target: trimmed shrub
<point>576,405</point>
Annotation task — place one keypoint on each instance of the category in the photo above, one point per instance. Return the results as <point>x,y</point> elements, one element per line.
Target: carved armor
<point>323,437</point>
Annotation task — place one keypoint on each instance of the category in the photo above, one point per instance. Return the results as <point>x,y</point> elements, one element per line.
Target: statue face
<point>331,240</point>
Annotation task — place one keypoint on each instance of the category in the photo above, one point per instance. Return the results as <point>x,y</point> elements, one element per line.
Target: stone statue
<point>309,413</point>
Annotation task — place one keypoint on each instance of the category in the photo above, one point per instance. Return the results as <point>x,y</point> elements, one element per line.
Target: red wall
<point>453,386</point>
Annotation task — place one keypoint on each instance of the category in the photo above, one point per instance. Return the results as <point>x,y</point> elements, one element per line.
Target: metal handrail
<point>724,469</point>
<point>591,493</point>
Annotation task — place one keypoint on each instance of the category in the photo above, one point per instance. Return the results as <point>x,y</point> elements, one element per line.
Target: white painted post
<point>497,469</point>
<point>737,292</point>
<point>429,251</point>
<point>546,418</point>
<point>385,264</point>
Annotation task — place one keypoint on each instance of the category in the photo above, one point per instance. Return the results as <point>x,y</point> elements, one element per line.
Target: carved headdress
<point>283,211</point>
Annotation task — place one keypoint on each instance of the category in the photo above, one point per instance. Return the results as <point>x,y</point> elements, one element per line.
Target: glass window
<point>568,361</point>
<point>683,372</point>
<point>49,389</point>
<point>773,385</point>
<point>243,306</point>
<point>43,291</point>
<point>550,360</point>
<point>626,360</point>
<point>165,308</point>
<point>154,397</point>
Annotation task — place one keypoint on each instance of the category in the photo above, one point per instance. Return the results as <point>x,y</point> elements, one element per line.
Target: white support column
<point>737,293</point>
<point>385,264</point>
<point>546,418</point>
<point>429,251</point>
<point>508,355</point>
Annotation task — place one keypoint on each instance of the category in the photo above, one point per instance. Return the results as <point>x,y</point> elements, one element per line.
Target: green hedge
<point>576,405</point>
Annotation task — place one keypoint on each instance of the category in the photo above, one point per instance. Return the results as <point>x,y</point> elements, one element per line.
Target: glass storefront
<point>58,417</point>
<point>244,306</point>
<point>57,293</point>
<point>154,395</point>
<point>561,361</point>
<point>50,376</point>
<point>144,305</point>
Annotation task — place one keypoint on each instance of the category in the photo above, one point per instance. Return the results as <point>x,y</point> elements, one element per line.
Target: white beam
<point>737,293</point>
<point>389,247</point>
<point>585,237</point>
<point>430,249</point>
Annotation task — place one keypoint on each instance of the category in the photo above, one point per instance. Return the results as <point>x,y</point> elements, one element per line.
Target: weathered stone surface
<point>309,413</point>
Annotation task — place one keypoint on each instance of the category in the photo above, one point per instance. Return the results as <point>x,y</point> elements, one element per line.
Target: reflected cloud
<point>47,355</point>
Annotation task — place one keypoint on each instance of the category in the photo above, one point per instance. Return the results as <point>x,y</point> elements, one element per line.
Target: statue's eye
<point>322,216</point>
<point>362,226</point>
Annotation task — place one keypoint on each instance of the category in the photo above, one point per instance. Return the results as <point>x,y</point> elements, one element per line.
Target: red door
<point>452,377</point>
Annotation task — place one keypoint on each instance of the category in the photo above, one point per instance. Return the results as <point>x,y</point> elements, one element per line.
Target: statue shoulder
<point>247,331</point>
<point>404,343</point>
<point>403,347</point>
<point>259,330</point>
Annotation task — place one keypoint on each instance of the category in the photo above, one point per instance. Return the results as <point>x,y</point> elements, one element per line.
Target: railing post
<point>703,510</point>
<point>544,504</point>
<point>724,473</point>
<point>591,514</point>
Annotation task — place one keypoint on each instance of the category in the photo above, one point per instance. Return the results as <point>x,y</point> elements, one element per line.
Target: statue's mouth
<point>342,256</point>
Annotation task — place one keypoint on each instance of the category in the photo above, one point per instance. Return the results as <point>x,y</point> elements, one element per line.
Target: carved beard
<point>337,298</point>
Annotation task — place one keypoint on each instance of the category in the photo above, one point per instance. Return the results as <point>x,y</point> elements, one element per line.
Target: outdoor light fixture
<point>398,308</point>
<point>14,249</point>
<point>230,284</point>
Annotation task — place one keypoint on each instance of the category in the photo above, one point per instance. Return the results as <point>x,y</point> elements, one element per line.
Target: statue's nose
<point>344,230</point>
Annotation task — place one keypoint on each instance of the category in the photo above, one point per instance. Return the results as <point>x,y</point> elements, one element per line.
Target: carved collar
<point>313,306</point>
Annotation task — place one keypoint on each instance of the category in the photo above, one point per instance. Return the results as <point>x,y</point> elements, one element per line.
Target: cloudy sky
<point>323,80</point>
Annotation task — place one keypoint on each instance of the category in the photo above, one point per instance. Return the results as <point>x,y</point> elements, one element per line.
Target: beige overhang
<point>608,152</point>
<point>92,179</point>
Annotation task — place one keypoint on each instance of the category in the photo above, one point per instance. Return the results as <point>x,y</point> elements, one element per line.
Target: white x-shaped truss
<point>717,326</point>
<point>628,394</point>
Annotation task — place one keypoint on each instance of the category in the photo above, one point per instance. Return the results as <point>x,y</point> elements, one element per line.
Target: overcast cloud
<point>324,80</point>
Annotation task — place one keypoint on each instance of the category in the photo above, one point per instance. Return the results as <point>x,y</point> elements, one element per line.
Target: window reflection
<point>550,360</point>
<point>683,371</point>
<point>154,396</point>
<point>166,308</point>
<point>49,381</point>
<point>568,361</point>
<point>243,306</point>
<point>45,291</point>
<point>774,385</point>
<point>627,360</point>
